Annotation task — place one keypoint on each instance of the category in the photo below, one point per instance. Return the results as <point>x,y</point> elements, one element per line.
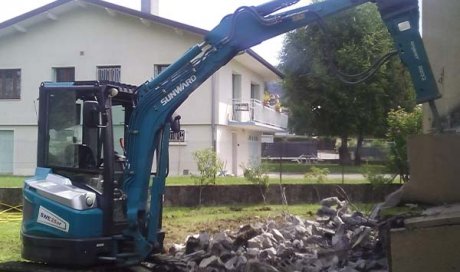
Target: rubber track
<point>156,263</point>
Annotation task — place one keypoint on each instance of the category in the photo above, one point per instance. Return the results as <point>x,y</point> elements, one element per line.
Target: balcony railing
<point>254,111</point>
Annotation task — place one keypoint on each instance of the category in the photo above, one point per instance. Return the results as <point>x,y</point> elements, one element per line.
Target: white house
<point>90,39</point>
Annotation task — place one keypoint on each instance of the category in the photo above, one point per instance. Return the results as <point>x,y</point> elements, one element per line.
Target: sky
<point>200,13</point>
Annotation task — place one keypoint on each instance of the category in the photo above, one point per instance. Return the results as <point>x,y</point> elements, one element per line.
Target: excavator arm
<point>246,27</point>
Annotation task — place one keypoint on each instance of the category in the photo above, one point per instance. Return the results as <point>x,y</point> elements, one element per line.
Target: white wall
<point>24,148</point>
<point>441,36</point>
<point>198,137</point>
<point>25,143</point>
<point>225,147</point>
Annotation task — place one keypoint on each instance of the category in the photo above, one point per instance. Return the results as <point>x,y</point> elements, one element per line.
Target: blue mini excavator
<point>92,202</point>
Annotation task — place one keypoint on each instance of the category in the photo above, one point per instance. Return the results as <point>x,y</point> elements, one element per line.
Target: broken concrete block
<point>194,256</point>
<point>204,239</point>
<point>267,253</point>
<point>314,239</point>
<point>252,251</point>
<point>208,261</point>
<point>284,252</point>
<point>255,242</point>
<point>330,201</point>
<point>192,245</point>
<point>301,231</point>
<point>311,223</point>
<point>258,266</point>
<point>268,239</point>
<point>323,231</point>
<point>231,264</point>
<point>348,269</point>
<point>325,211</point>
<point>296,220</point>
<point>175,248</point>
<point>298,244</point>
<point>246,232</point>
<point>337,241</point>
<point>277,234</point>
<point>338,221</point>
<point>218,249</point>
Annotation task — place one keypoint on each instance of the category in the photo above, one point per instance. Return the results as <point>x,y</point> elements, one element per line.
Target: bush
<point>257,174</point>
<point>208,165</point>
<point>401,124</point>
<point>316,174</point>
<point>376,177</point>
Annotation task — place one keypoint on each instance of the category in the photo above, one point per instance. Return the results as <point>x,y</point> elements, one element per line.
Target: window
<point>64,128</point>
<point>236,97</point>
<point>64,74</point>
<point>10,83</point>
<point>109,73</point>
<point>255,91</point>
<point>236,86</point>
<point>158,68</point>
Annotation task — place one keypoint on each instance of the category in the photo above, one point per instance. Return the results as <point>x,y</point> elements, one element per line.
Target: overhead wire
<point>351,79</point>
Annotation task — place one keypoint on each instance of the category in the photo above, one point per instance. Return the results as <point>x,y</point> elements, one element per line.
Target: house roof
<point>21,22</point>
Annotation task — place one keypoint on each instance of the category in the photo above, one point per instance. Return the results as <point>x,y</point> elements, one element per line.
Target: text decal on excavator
<point>179,88</point>
<point>48,218</point>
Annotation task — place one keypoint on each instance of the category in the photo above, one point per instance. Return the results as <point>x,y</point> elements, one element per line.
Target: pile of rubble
<point>338,240</point>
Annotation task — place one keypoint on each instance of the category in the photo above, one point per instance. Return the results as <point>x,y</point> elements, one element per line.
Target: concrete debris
<point>338,240</point>
<point>175,248</point>
<point>208,261</point>
<point>331,201</point>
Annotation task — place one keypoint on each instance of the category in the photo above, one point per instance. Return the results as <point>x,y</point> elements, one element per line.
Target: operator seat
<point>85,157</point>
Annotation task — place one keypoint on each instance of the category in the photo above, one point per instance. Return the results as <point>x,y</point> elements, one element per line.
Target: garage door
<point>6,151</point>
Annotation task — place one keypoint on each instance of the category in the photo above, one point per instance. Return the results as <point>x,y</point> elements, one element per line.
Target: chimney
<point>150,6</point>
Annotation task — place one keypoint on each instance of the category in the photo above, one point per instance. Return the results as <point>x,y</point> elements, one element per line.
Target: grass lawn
<point>178,222</point>
<point>7,181</point>
<point>17,181</point>
<point>10,247</point>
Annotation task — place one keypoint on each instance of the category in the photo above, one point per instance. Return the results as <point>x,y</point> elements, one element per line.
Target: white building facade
<point>88,40</point>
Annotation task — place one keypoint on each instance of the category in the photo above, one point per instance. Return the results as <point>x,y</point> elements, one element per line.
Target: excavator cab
<point>74,203</point>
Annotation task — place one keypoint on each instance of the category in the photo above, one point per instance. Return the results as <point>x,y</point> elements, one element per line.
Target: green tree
<point>402,124</point>
<point>208,165</point>
<point>319,102</point>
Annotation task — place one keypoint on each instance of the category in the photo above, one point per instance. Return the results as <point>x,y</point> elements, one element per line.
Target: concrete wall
<point>250,194</point>
<point>295,194</point>
<point>10,197</point>
<point>441,36</point>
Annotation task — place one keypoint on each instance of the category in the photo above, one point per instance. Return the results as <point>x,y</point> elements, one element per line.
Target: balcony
<point>252,114</point>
